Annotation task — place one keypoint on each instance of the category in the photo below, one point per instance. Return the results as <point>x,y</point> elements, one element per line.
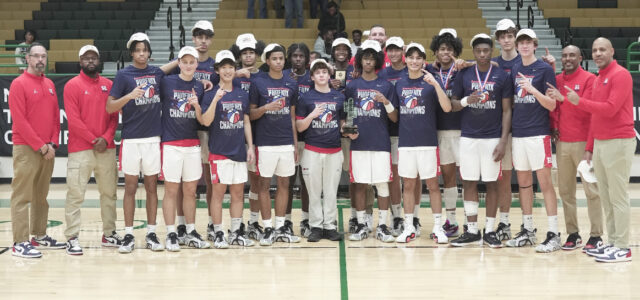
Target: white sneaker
<point>172,242</point>
<point>283,234</point>
<point>267,237</point>
<point>73,247</point>
<point>417,226</point>
<point>220,242</point>
<point>238,238</point>
<point>193,239</point>
<point>439,235</point>
<point>153,243</point>
<point>407,235</point>
<point>550,244</point>
<point>523,238</point>
<point>368,220</point>
<point>128,244</point>
<point>383,234</point>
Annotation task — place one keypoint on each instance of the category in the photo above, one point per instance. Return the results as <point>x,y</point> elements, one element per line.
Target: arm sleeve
<point>55,135</point>
<point>391,95</point>
<point>396,100</point>
<point>619,93</point>
<point>254,94</point>
<point>589,146</point>
<point>207,99</point>
<point>17,107</point>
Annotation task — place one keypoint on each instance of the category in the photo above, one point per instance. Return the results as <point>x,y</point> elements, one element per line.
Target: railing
<point>170,26</point>
<point>530,17</point>
<point>120,60</point>
<point>519,5</point>
<point>17,55</point>
<point>631,53</point>
<point>181,27</point>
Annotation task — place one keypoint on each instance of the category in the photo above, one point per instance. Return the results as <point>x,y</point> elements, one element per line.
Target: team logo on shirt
<point>365,105</point>
<point>103,88</point>
<point>576,87</point>
<point>302,88</point>
<point>148,85</point>
<point>485,102</point>
<point>180,107</point>
<point>410,103</point>
<point>202,74</point>
<point>521,95</point>
<point>326,118</point>
<point>278,94</point>
<point>232,117</point>
<point>51,92</point>
<point>245,85</point>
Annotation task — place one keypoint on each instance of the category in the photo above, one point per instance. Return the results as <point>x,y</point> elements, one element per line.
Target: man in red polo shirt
<point>33,104</point>
<point>612,137</point>
<point>91,149</point>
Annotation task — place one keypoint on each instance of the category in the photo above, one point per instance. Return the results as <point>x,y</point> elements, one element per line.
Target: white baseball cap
<point>505,24</point>
<point>528,32</point>
<point>202,24</point>
<point>188,50</point>
<point>224,54</point>
<point>137,37</point>
<point>268,48</point>
<point>450,31</point>
<point>340,41</point>
<point>366,33</point>
<point>479,36</point>
<point>371,44</point>
<point>246,40</point>
<point>396,41</point>
<point>415,45</point>
<point>317,61</point>
<point>87,48</point>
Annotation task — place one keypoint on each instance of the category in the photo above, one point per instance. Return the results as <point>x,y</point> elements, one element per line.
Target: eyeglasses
<point>90,58</point>
<point>42,56</point>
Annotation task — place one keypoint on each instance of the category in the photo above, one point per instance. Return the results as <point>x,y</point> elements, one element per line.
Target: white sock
<point>279,222</point>
<point>305,215</point>
<point>171,228</point>
<point>191,227</point>
<point>553,224</point>
<point>235,224</point>
<point>472,227</point>
<point>210,220</point>
<point>353,213</point>
<point>408,221</point>
<point>360,216</point>
<point>253,216</point>
<point>181,220</point>
<point>382,217</point>
<point>396,210</point>
<point>128,230</point>
<point>216,227</point>
<point>437,221</point>
<point>151,228</point>
<point>451,216</point>
<point>416,209</point>
<point>267,223</point>
<point>504,218</point>
<point>527,220</point>
<point>287,217</point>
<point>489,225</point>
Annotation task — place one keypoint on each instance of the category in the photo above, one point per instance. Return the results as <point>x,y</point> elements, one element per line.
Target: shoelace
<point>416,222</point>
<point>196,235</point>
<point>267,232</point>
<point>114,235</point>
<point>523,232</point>
<point>127,239</point>
<point>240,231</point>
<point>385,230</point>
<point>173,237</point>
<point>397,222</point>
<point>257,227</point>
<point>360,227</point>
<point>153,238</point>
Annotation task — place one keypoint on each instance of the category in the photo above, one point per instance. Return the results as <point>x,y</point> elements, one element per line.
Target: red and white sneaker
<point>47,242</point>
<point>114,240</point>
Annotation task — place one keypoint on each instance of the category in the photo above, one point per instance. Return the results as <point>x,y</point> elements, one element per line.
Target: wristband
<point>389,107</point>
<point>463,102</point>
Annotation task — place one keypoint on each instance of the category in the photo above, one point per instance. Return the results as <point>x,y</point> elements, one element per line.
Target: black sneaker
<point>254,231</point>
<point>491,239</point>
<point>573,242</point>
<point>466,239</point>
<point>182,234</point>
<point>332,235</point>
<point>504,231</point>
<point>316,235</point>
<point>417,226</point>
<point>268,237</point>
<point>593,243</point>
<point>288,225</point>
<point>398,226</point>
<point>353,225</point>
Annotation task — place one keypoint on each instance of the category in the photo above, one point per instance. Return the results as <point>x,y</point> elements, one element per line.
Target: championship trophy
<point>349,127</point>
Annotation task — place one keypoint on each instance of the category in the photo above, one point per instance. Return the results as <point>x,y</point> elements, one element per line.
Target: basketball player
<point>135,92</point>
<point>370,147</point>
<point>318,116</point>
<point>531,140</point>
<point>486,93</point>
<point>273,99</point>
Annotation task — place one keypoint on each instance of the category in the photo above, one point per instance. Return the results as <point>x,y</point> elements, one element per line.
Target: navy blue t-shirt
<point>304,85</point>
<point>348,77</point>
<point>226,132</point>
<point>274,127</point>
<point>450,120</point>
<point>483,120</point>
<point>507,65</point>
<point>245,83</point>
<point>205,70</point>
<point>529,117</point>
<point>140,116</point>
<point>324,131</point>
<point>416,103</point>
<point>371,116</point>
<point>392,76</point>
<point>178,117</point>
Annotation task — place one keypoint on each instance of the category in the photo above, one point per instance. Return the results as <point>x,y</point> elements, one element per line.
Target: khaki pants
<point>79,168</point>
<point>321,173</point>
<point>30,185</point>
<point>569,156</point>
<point>612,161</point>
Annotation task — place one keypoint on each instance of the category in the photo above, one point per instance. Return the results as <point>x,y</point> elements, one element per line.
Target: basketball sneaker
<point>467,239</point>
<point>615,255</point>
<point>305,229</point>
<point>47,242</point>
<point>603,250</point>
<point>573,242</point>
<point>417,226</point>
<point>288,225</point>
<point>182,234</point>
<point>332,235</point>
<point>128,244</point>
<point>439,236</point>
<point>398,226</point>
<point>238,238</point>
<point>368,220</point>
<point>450,229</point>
<point>267,237</point>
<point>550,244</point>
<point>523,238</point>
<point>193,239</point>
<point>73,247</point>
<point>504,231</point>
<point>152,242</point>
<point>593,243</point>
<point>220,242</point>
<point>255,231</point>
<point>114,240</point>
<point>25,250</point>
<point>353,225</point>
<point>171,242</point>
<point>284,235</point>
<point>316,235</point>
<point>407,235</point>
<point>360,234</point>
<point>383,234</point>
<point>211,233</point>
<point>491,239</point>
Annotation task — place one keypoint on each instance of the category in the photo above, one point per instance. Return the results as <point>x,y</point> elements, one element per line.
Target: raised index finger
<point>551,86</point>
<point>568,88</point>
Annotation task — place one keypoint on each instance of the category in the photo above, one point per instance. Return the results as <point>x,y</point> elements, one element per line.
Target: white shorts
<point>276,160</point>
<point>227,171</point>
<point>477,159</point>
<point>394,150</point>
<point>370,167</point>
<point>418,161</point>
<point>507,160</point>
<point>181,163</point>
<point>138,155</point>
<point>345,143</point>
<point>532,153</point>
<point>300,151</point>
<point>203,136</point>
<point>449,146</point>
<point>251,166</point>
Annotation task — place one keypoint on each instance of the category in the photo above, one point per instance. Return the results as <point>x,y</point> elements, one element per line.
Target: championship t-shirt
<point>416,103</point>
<point>392,76</point>
<point>274,128</point>
<point>226,132</point>
<point>205,70</point>
<point>324,131</point>
<point>507,65</point>
<point>447,81</point>
<point>178,116</point>
<point>529,117</point>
